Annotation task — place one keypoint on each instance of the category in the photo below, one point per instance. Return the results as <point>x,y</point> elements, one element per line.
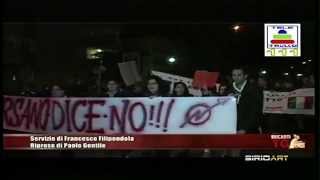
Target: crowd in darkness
<point>154,86</point>
<point>251,118</point>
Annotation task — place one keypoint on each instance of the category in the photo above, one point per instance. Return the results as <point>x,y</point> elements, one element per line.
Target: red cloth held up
<point>205,79</point>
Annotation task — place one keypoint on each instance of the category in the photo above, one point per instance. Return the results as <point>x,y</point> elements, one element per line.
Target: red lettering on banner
<point>17,111</point>
<point>151,115</point>
<point>90,116</point>
<point>168,114</point>
<point>35,115</point>
<point>68,115</point>
<point>82,114</point>
<point>7,111</point>
<point>115,116</point>
<point>159,114</point>
<point>45,105</point>
<point>55,105</point>
<point>26,114</point>
<point>144,117</point>
<point>74,110</point>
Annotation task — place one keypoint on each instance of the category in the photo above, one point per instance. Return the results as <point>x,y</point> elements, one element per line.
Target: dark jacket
<point>249,108</point>
<point>79,90</point>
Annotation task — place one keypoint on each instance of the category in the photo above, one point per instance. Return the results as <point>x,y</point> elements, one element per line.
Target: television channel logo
<point>282,40</point>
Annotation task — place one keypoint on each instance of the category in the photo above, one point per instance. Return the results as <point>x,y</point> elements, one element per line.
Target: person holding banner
<point>249,106</point>
<point>112,89</point>
<point>57,91</point>
<point>155,87</point>
<point>180,89</point>
<point>249,102</point>
<point>136,90</point>
<point>207,92</point>
<point>222,90</point>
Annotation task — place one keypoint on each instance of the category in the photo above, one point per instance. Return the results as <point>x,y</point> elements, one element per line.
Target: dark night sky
<point>197,46</point>
<point>211,45</point>
<point>208,46</point>
<point>216,46</point>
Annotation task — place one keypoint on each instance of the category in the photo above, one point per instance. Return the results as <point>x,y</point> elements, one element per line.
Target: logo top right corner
<point>282,40</point>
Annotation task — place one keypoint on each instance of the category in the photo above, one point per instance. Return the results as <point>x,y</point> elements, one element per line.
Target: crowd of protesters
<point>156,87</point>
<point>250,118</point>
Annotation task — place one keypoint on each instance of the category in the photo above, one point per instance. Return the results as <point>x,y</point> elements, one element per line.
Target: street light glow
<point>172,60</point>
<point>264,72</point>
<point>309,60</point>
<point>236,27</point>
<point>299,75</point>
<point>99,50</point>
<point>304,62</point>
<point>286,74</point>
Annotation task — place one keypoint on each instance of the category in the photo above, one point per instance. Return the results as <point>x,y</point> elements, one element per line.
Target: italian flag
<point>300,102</point>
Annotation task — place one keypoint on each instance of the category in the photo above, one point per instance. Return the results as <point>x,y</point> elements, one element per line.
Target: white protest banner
<point>185,115</point>
<point>274,102</point>
<point>175,78</point>
<point>129,72</point>
<point>300,101</point>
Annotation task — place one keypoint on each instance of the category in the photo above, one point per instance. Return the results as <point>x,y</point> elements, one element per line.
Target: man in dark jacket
<point>249,102</point>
